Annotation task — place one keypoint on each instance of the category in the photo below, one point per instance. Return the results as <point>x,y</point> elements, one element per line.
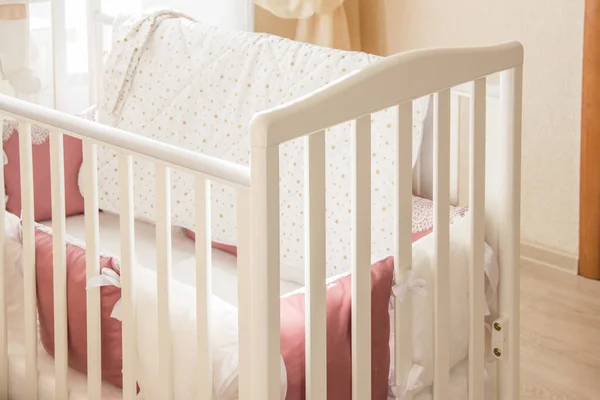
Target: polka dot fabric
<point>197,87</point>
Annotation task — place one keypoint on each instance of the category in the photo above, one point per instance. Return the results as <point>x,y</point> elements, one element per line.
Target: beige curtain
<point>14,57</point>
<point>321,22</point>
<point>12,12</point>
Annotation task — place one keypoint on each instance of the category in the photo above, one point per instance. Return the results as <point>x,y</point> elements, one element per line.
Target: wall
<point>551,31</point>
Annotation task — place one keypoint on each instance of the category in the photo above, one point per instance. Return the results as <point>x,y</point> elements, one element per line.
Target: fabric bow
<point>108,277</point>
<point>411,285</point>
<point>413,382</point>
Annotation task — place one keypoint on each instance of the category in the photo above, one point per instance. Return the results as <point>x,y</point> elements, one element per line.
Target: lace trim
<point>422,218</point>
<point>38,134</point>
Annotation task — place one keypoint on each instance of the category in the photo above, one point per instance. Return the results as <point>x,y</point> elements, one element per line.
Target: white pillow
<point>224,336</point>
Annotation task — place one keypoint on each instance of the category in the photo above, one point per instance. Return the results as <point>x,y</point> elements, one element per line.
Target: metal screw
<point>497,326</point>
<point>497,352</point>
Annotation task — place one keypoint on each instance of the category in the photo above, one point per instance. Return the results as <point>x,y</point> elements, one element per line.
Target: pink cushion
<point>423,215</point>
<point>41,176</point>
<point>339,357</point>
<point>76,308</point>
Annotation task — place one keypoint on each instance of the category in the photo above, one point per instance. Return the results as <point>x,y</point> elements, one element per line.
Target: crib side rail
<point>165,157</point>
<point>120,140</point>
<point>393,82</point>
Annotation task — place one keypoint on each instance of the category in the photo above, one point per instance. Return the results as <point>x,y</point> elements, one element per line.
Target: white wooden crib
<point>494,202</point>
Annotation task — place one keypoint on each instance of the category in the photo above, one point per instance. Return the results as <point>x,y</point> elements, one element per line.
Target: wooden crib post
<point>163,275</point>
<point>126,219</point>
<point>441,234</point>
<point>265,268</point>
<point>509,228</point>
<point>59,250</point>
<point>92,268</point>
<point>315,257</point>
<point>361,257</point>
<point>403,315</point>
<point>477,239</point>
<point>203,285</point>
<point>29,271</point>
<point>244,211</point>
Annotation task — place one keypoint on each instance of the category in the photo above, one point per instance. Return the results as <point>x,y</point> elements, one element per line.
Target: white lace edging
<point>38,134</point>
<point>422,218</point>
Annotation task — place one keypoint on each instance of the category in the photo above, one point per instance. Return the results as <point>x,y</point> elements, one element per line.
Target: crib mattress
<point>224,271</point>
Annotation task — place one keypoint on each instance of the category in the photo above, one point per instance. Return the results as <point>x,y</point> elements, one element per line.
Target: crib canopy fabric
<point>172,79</point>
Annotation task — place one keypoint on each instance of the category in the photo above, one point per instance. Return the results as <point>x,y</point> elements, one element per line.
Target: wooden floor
<point>560,335</point>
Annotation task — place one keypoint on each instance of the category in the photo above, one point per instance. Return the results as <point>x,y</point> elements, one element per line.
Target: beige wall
<point>551,31</point>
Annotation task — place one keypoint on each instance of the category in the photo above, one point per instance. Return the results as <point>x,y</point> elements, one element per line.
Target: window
<point>73,91</point>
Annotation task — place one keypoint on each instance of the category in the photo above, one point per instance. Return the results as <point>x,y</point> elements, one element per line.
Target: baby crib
<point>393,82</point>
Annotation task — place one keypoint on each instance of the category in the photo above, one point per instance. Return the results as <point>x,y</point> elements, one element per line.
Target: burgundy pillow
<point>76,308</point>
<point>41,174</point>
<point>339,336</point>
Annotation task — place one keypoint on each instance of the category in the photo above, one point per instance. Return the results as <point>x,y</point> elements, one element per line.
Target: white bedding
<point>194,86</point>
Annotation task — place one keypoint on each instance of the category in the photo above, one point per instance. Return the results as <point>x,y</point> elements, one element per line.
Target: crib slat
<point>315,259</point>
<point>244,293</point>
<point>403,252</point>
<point>361,259</point>
<point>3,316</point>
<point>441,232</point>
<point>203,287</point>
<point>265,272</point>
<point>509,232</point>
<point>163,274</point>
<point>92,267</point>
<point>29,273</point>
<point>477,211</point>
<point>59,251</point>
<point>127,276</point>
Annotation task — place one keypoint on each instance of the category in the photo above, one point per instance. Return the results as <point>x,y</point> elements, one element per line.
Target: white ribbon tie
<point>108,277</point>
<point>411,285</point>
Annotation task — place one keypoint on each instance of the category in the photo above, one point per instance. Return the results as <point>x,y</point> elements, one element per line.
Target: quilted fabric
<point>194,86</point>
